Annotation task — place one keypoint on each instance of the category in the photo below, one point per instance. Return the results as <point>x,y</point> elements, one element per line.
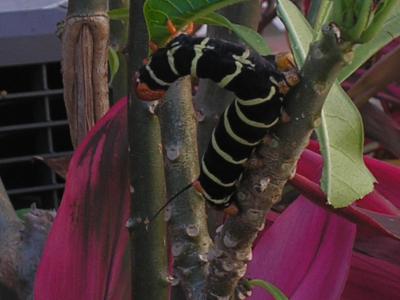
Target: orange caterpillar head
<point>145,93</point>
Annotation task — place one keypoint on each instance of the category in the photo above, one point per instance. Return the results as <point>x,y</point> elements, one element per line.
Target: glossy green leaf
<point>345,177</point>
<point>251,37</point>
<point>341,135</point>
<point>180,12</point>
<point>113,62</point>
<point>120,14</point>
<point>300,32</point>
<point>363,52</point>
<point>269,288</point>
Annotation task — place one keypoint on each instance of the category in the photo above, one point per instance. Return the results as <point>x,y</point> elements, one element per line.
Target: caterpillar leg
<point>230,210</point>
<point>153,47</point>
<point>291,79</point>
<point>144,92</point>
<point>285,61</point>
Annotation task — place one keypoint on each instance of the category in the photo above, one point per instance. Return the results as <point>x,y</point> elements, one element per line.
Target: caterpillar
<point>259,87</point>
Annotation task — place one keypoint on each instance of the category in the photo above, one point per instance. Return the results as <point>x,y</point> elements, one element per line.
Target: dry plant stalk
<point>85,72</point>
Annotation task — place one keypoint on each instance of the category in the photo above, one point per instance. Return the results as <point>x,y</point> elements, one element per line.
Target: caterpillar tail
<point>231,209</point>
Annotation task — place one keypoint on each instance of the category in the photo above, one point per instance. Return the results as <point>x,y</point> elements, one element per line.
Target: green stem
<point>324,13</point>
<point>348,13</point>
<point>148,244</point>
<point>269,288</point>
<point>313,12</point>
<point>187,217</point>
<point>363,15</point>
<point>378,20</point>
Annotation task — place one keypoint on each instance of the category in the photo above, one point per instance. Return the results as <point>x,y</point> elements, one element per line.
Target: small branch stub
<point>192,230</point>
<point>173,152</point>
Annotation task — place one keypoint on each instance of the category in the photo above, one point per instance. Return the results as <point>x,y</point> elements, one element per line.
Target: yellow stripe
<point>171,59</point>
<point>213,177</point>
<point>223,154</point>
<point>250,122</point>
<point>233,135</point>
<point>228,78</point>
<point>214,200</point>
<point>272,79</point>
<point>243,58</point>
<point>239,62</point>
<point>198,49</point>
<point>257,101</point>
<point>154,77</point>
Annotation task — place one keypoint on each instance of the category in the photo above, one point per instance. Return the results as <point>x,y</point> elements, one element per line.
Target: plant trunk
<point>84,65</point>
<point>187,216</point>
<point>272,164</point>
<point>148,243</point>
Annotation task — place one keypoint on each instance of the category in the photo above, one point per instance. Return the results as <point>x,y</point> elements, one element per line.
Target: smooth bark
<point>148,242</point>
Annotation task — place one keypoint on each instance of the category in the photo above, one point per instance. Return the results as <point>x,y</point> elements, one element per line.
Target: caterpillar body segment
<point>257,83</point>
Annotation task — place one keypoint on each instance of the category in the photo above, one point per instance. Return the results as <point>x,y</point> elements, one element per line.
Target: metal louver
<point>32,113</point>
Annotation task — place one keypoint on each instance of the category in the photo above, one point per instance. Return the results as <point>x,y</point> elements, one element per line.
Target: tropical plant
<point>307,252</point>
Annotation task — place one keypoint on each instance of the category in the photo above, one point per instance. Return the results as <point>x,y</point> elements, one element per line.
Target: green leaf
<point>300,32</point>
<point>180,12</point>
<point>363,52</point>
<point>268,287</point>
<point>248,35</point>
<point>385,9</point>
<point>119,14</point>
<point>113,62</point>
<point>345,176</point>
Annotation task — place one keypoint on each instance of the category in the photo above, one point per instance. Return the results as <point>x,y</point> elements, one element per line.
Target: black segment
<point>160,66</point>
<point>252,134</point>
<point>266,112</point>
<point>218,59</point>
<point>229,145</point>
<point>225,171</point>
<point>213,189</point>
<point>144,76</point>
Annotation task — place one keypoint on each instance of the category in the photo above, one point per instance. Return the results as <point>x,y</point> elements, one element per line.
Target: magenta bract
<point>86,253</point>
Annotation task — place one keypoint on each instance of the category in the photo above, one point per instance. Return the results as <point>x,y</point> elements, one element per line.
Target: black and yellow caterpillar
<point>259,87</point>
